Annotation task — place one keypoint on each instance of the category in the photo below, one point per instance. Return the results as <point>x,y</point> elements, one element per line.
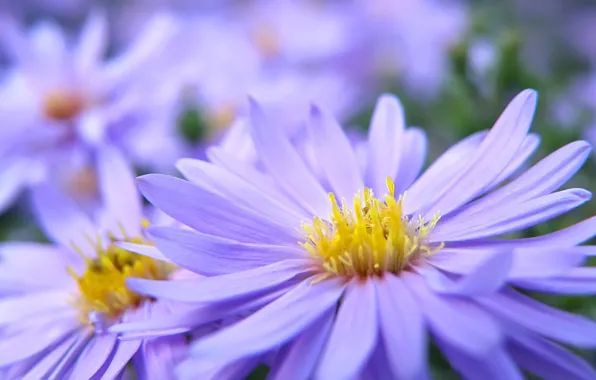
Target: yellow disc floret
<point>370,238</point>
<point>102,287</point>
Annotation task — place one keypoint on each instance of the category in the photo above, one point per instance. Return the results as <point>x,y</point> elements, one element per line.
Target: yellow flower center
<point>102,287</point>
<point>62,105</point>
<point>372,237</point>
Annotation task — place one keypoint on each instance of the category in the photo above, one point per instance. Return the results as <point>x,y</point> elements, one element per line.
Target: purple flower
<point>350,276</point>
<point>60,101</point>
<point>59,302</point>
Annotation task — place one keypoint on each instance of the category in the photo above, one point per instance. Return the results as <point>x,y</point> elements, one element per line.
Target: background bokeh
<point>454,65</point>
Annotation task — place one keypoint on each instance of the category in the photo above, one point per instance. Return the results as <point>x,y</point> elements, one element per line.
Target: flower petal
<point>540,318</point>
<point>349,348</point>
<point>94,356</point>
<point>225,287</point>
<point>210,255</point>
<point>62,220</point>
<point>414,154</point>
<point>302,354</point>
<point>212,214</point>
<point>119,192</point>
<point>512,217</point>
<point>402,326</point>
<point>334,153</point>
<point>92,43</point>
<point>493,155</point>
<point>486,278</point>
<point>385,143</point>
<point>575,281</point>
<point>285,165</point>
<point>274,324</point>
<point>541,179</point>
<point>456,321</point>
<point>495,365</point>
<point>547,360</point>
<point>237,190</point>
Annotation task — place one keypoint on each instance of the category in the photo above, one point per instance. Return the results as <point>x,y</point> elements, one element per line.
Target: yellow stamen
<point>102,287</point>
<point>371,238</point>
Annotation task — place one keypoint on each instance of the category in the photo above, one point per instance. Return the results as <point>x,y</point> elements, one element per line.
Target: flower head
<point>69,296</point>
<point>62,100</point>
<point>345,274</point>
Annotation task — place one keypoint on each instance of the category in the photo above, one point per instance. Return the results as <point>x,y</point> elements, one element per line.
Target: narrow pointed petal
<point>354,334</point>
<point>456,321</point>
<point>413,157</point>
<point>385,143</point>
<point>511,218</point>
<point>210,255</point>
<point>96,353</point>
<point>403,329</point>
<point>335,154</point>
<point>274,324</point>
<point>92,43</point>
<point>225,287</point>
<point>119,192</point>
<point>304,352</point>
<point>542,319</point>
<point>285,165</point>
<point>210,213</point>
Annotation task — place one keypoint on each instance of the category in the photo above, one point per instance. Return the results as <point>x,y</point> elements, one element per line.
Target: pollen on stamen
<point>371,237</point>
<point>103,294</point>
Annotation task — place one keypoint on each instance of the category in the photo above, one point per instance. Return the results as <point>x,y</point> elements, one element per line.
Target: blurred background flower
<point>164,79</point>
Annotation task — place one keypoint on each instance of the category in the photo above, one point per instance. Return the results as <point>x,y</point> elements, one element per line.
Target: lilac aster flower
<point>59,302</point>
<point>349,277</point>
<point>59,101</point>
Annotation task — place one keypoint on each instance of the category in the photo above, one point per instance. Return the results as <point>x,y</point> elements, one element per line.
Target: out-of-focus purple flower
<point>59,301</point>
<point>59,99</point>
<point>350,275</point>
<point>411,40</point>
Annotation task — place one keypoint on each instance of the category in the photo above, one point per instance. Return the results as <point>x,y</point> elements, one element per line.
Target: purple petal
<point>456,321</point>
<point>225,287</point>
<point>543,178</point>
<point>143,249</point>
<point>13,178</point>
<point>566,237</point>
<point>414,154</point>
<point>237,190</point>
<point>196,369</point>
<point>250,174</point>
<point>96,354</point>
<point>160,356</point>
<point>83,336</point>
<point>152,39</point>
<point>22,262</point>
<point>442,171</point>
<point>335,154</point>
<point>540,318</point>
<point>119,191</point>
<point>354,334</point>
<point>493,155</point>
<point>92,43</point>
<point>122,355</point>
<point>274,324</point>
<point>402,326</point>
<point>494,365</point>
<point>574,281</point>
<point>303,353</point>
<point>285,165</point>
<point>33,341</point>
<point>16,308</point>
<point>62,220</point>
<point>43,367</point>
<point>210,255</point>
<point>524,152</point>
<point>511,218</point>
<point>547,360</point>
<point>527,263</point>
<point>486,278</point>
<point>212,214</point>
<point>385,143</point>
